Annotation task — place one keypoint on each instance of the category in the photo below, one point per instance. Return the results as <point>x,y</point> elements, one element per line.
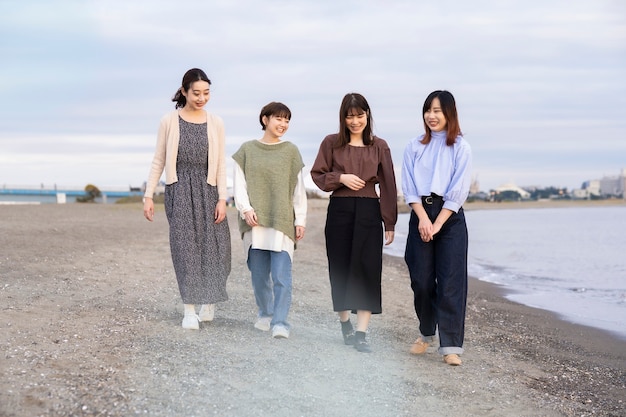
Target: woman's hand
<point>299,232</point>
<point>389,235</point>
<point>352,181</point>
<point>441,219</point>
<point>250,218</point>
<point>148,208</point>
<point>424,226</point>
<point>220,211</point>
<point>426,230</point>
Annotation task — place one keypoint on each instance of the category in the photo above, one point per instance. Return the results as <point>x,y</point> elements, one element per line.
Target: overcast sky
<point>540,85</point>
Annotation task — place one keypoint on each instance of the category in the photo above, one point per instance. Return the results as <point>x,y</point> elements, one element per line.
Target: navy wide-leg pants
<point>438,271</point>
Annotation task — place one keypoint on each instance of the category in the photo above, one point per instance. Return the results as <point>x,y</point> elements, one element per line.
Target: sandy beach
<point>90,326</point>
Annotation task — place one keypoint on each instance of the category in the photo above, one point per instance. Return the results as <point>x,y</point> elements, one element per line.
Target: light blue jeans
<point>271,281</point>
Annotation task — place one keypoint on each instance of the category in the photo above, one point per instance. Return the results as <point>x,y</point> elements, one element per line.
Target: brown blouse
<point>373,164</point>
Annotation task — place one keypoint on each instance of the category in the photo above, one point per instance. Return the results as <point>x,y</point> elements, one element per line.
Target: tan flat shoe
<point>418,347</point>
<point>452,359</point>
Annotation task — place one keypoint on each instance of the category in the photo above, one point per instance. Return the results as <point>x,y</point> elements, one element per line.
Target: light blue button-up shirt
<point>437,168</point>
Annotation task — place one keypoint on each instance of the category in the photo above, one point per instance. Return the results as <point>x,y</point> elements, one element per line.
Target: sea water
<point>571,261</point>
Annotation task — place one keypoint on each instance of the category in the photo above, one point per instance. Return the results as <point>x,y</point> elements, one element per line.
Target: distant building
<point>612,186</point>
<point>580,194</point>
<point>606,187</point>
<point>474,186</point>
<point>589,189</point>
<point>513,188</point>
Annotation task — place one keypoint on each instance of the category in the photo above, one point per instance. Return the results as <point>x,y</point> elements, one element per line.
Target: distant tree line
<point>549,192</point>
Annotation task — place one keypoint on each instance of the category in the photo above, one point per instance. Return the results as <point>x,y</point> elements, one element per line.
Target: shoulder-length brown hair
<point>354,103</point>
<point>448,107</point>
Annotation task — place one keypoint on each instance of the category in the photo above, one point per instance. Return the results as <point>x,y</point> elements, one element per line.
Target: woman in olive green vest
<point>271,199</point>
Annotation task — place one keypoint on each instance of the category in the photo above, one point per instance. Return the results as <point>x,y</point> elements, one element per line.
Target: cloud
<point>539,85</point>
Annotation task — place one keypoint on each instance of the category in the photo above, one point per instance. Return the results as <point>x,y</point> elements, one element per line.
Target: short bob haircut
<point>274,109</point>
<point>354,104</point>
<point>190,77</point>
<point>448,107</point>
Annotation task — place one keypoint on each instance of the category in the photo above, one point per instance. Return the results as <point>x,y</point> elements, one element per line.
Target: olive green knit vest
<point>271,173</point>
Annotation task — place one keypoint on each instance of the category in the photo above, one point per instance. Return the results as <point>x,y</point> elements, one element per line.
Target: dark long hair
<point>190,77</point>
<point>354,103</point>
<point>448,107</point>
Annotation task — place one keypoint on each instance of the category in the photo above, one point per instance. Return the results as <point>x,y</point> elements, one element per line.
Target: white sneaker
<point>263,324</point>
<point>280,332</point>
<point>207,312</point>
<point>190,322</point>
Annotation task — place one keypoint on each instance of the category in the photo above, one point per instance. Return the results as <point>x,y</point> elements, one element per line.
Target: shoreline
<point>497,290</point>
<point>613,343</point>
<point>483,205</point>
<point>515,205</point>
<point>509,288</point>
<point>91,316</point>
<point>591,338</point>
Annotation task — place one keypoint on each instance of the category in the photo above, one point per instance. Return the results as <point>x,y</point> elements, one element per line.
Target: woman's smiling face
<point>356,120</point>
<point>198,95</point>
<point>434,117</point>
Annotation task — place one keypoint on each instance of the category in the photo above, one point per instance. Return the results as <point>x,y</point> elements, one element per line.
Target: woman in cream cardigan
<point>190,148</point>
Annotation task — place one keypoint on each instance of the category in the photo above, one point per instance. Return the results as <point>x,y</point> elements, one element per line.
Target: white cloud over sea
<point>540,86</point>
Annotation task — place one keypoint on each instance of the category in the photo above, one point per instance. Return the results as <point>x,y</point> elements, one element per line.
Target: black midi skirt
<point>354,247</point>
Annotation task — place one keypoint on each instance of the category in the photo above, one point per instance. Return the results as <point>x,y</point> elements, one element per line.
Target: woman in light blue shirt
<point>435,181</point>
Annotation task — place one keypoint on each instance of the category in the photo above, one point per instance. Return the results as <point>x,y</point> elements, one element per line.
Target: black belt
<point>430,199</point>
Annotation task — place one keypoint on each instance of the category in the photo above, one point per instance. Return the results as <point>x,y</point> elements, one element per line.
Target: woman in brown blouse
<point>350,164</point>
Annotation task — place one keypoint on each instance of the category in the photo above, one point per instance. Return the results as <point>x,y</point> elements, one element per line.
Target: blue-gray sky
<point>540,85</point>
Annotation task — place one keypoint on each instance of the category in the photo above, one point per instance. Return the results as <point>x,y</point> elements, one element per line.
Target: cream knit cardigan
<point>167,151</point>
